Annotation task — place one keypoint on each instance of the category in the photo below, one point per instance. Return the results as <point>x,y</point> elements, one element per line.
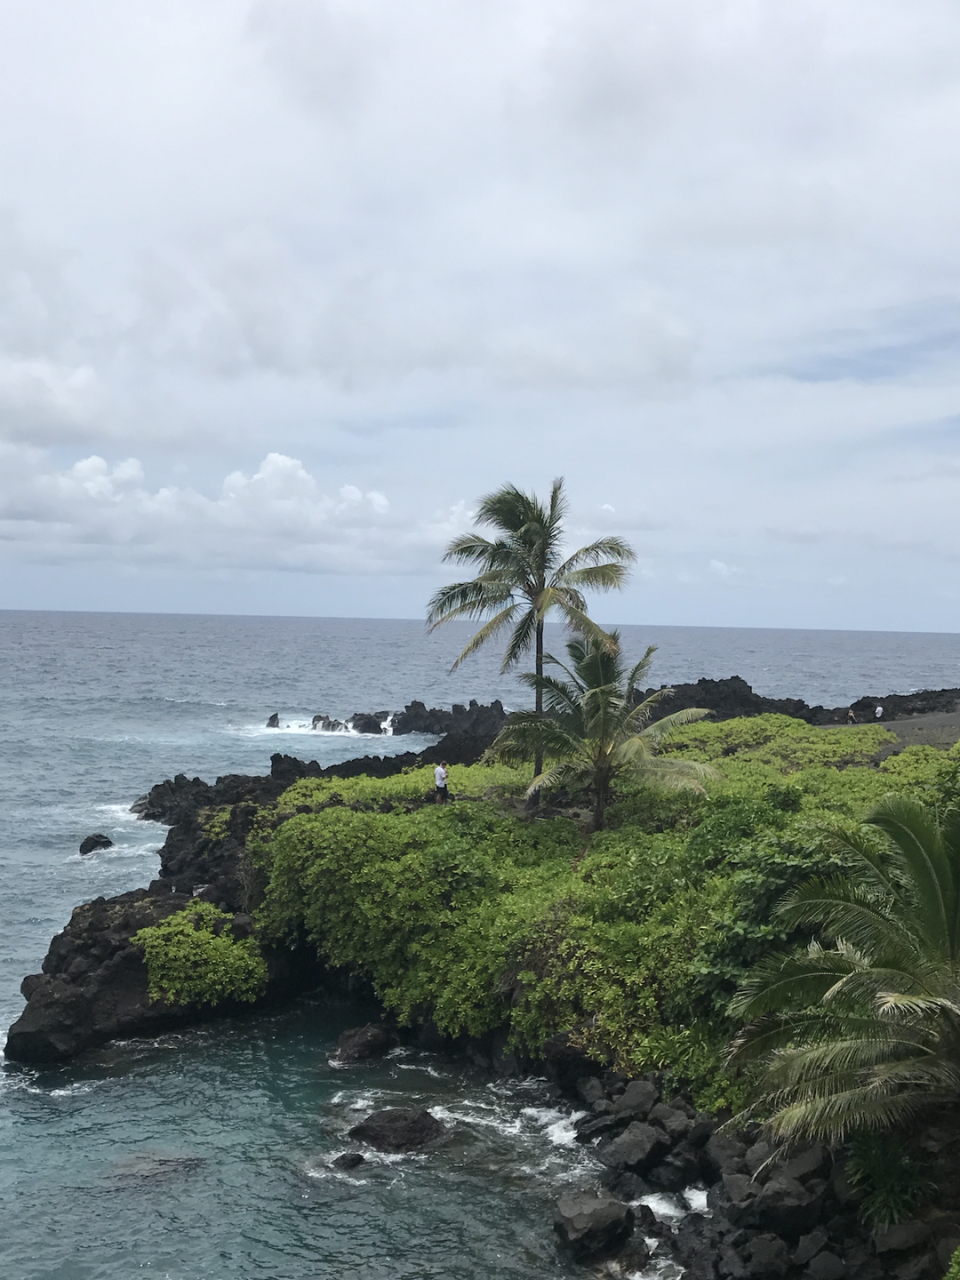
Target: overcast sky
<point>286,286</point>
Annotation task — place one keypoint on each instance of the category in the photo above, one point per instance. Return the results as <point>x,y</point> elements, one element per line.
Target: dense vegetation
<point>635,938</point>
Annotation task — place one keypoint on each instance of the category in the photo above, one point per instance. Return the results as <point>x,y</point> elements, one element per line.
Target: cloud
<point>697,255</point>
<point>276,517</point>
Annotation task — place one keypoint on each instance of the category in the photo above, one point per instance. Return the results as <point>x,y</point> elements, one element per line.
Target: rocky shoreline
<point>771,1214</point>
<point>93,984</point>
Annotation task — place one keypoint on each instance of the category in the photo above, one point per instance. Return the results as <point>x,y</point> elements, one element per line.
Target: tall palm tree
<point>592,731</point>
<point>861,1029</point>
<point>523,575</point>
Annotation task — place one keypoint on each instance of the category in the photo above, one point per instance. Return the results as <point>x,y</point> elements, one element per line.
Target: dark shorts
<point>442,795</point>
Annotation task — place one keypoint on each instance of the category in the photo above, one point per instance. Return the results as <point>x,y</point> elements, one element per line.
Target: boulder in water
<point>399,1129</point>
<point>349,1160</point>
<point>591,1224</point>
<point>98,841</point>
<point>274,721</point>
<point>361,1044</point>
<point>364,722</point>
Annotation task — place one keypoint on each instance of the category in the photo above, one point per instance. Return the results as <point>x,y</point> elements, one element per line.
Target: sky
<point>287,286</point>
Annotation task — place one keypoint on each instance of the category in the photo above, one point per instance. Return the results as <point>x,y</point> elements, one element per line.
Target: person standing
<point>440,777</point>
<point>879,713</point>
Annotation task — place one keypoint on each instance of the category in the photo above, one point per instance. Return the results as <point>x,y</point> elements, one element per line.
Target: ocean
<point>207,1154</point>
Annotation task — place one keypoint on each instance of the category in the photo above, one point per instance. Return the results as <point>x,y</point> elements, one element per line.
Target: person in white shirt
<point>440,775</point>
<point>879,713</point>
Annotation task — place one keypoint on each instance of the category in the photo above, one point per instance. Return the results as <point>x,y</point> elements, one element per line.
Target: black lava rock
<point>399,1129</point>
<point>98,841</point>
<point>592,1225</point>
<point>361,1044</point>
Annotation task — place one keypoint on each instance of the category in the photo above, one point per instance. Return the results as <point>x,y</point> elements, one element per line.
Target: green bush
<point>193,958</point>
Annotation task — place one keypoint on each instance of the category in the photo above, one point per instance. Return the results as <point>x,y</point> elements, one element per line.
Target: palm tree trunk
<point>599,802</point>
<point>538,667</point>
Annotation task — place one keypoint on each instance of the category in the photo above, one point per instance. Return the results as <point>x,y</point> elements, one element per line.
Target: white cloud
<point>697,255</point>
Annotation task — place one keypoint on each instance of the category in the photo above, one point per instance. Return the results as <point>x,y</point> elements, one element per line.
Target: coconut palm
<point>523,575</point>
<point>592,730</point>
<point>861,1029</point>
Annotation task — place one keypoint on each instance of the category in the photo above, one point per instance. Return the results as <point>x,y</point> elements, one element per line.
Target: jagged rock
<point>324,724</point>
<point>721,1154</point>
<point>673,1122</point>
<point>399,1129</point>
<point>591,1127</point>
<point>637,1100</point>
<point>98,841</point>
<point>360,1044</point>
<point>480,721</point>
<point>592,1225</point>
<point>729,1263</point>
<point>808,1164</point>
<point>787,1206</point>
<point>637,1149</point>
<point>758,1155</point>
<point>365,722</point>
<point>809,1245</point>
<point>590,1090</point>
<point>702,1129</point>
<point>274,721</point>
<point>766,1257</point>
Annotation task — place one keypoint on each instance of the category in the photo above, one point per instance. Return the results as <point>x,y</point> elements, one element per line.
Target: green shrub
<point>193,958</point>
<point>890,1184</point>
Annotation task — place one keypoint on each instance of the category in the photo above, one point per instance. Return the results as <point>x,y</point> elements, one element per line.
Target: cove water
<point>206,1155</point>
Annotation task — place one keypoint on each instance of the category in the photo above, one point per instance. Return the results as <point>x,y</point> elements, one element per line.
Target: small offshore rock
<point>98,841</point>
<point>361,1044</point>
<point>592,1225</point>
<point>399,1129</point>
<point>274,721</point>
<point>349,1160</point>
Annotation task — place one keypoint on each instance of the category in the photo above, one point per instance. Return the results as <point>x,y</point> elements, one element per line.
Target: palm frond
<point>487,632</point>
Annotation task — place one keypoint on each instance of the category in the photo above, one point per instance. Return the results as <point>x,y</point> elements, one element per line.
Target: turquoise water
<point>208,1154</point>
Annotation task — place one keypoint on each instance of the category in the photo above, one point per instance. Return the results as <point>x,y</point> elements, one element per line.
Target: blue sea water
<point>207,1154</point>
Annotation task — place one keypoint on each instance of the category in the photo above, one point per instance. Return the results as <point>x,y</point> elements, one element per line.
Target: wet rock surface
<point>592,1225</point>
<point>365,1044</point>
<point>98,841</point>
<point>399,1129</point>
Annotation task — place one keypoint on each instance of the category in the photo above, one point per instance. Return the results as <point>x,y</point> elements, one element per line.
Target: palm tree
<point>864,1032</point>
<point>523,577</point>
<point>592,730</point>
